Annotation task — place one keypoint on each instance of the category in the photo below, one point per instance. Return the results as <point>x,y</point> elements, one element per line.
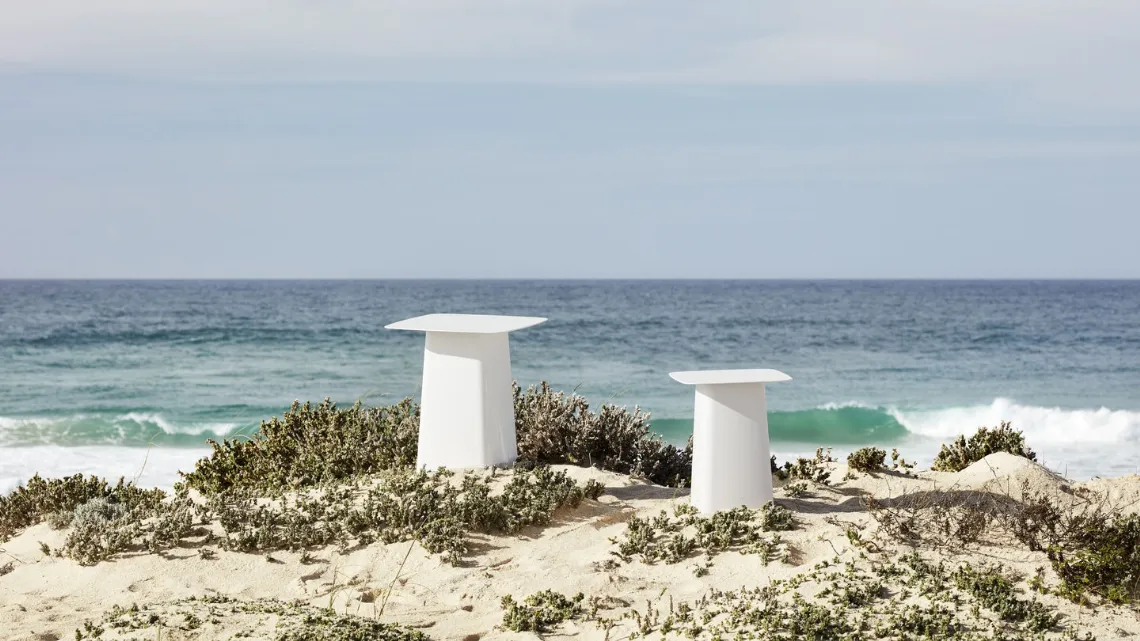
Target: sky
<point>569,139</point>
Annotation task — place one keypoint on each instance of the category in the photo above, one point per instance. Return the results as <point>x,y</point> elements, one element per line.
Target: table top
<point>729,376</point>
<point>466,323</point>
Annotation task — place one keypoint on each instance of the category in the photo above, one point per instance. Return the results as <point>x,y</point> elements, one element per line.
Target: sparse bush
<point>1106,563</point>
<point>672,539</point>
<point>540,611</point>
<point>867,459</point>
<point>899,463</point>
<point>262,618</point>
<point>1093,548</point>
<point>905,598</point>
<point>997,593</point>
<point>813,469</point>
<point>796,490</point>
<point>419,506</point>
<point>963,452</point>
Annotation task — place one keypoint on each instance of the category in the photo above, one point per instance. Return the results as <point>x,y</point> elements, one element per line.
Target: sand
<point>46,598</point>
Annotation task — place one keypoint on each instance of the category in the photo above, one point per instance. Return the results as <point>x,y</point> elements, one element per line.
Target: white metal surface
<point>731,449</point>
<point>467,414</point>
<point>467,323</point>
<point>727,376</point>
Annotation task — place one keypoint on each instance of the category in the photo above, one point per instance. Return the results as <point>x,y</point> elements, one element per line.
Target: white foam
<point>55,430</point>
<point>831,407</point>
<point>1052,425</point>
<point>194,429</point>
<point>152,467</point>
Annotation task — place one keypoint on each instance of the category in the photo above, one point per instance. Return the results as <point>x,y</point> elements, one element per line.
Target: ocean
<point>129,378</point>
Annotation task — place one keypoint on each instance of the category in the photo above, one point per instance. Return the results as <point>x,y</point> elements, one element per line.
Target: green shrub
<point>962,452</point>
<point>553,427</point>
<point>672,539</point>
<point>1106,562</point>
<point>261,618</point>
<point>813,469</point>
<point>867,459</point>
<point>997,593</point>
<point>796,490</point>
<point>39,499</point>
<point>402,506</point>
<point>312,445</point>
<point>540,611</point>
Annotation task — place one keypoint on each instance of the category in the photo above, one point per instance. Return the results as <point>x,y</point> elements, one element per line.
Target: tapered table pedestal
<point>467,412</point>
<point>731,450</point>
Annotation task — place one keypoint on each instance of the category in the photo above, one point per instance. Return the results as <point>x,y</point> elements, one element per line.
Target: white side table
<point>467,412</point>
<point>731,451</point>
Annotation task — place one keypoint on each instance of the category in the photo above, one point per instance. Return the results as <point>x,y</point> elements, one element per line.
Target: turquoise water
<point>117,377</point>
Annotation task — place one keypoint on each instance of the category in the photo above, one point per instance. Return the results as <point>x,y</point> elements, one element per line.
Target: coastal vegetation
<point>908,597</point>
<point>963,452</point>
<point>322,475</point>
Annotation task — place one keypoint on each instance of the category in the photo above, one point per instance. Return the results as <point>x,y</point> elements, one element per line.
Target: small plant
<point>899,463</point>
<point>997,593</point>
<point>540,611</point>
<point>813,469</point>
<point>262,619</point>
<point>674,538</point>
<point>867,460</point>
<point>796,490</point>
<point>963,452</point>
<point>7,568</point>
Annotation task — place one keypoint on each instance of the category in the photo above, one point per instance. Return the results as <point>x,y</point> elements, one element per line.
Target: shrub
<point>867,459</point>
<point>39,499</point>
<point>262,619</point>
<point>403,506</point>
<point>1106,563</point>
<point>796,490</point>
<point>675,538</point>
<point>540,611</point>
<point>813,469</point>
<point>554,428</point>
<point>317,445</point>
<point>997,593</point>
<point>962,452</point>
<point>312,445</point>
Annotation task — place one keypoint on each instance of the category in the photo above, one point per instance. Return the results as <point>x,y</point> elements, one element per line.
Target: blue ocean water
<point>130,378</point>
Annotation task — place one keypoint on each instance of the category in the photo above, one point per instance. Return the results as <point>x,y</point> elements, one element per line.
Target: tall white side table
<point>731,450</point>
<point>467,412</point>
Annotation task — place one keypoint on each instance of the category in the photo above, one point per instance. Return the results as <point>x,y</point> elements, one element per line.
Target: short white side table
<point>731,450</point>
<point>467,412</point>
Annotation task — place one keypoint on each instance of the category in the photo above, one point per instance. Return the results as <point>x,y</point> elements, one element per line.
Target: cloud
<point>1077,51</point>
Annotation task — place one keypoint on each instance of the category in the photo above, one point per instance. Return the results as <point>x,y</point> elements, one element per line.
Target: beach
<point>48,598</point>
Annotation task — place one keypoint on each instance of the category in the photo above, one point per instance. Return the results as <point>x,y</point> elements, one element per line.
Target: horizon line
<point>575,279</point>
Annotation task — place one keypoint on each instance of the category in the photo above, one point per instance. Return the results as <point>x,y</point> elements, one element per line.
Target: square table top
<point>466,323</point>
<point>729,376</point>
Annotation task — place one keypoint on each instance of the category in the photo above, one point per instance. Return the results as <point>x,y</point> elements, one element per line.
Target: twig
<point>392,585</point>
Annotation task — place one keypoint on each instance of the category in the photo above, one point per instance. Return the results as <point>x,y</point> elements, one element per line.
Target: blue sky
<point>582,139</point>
